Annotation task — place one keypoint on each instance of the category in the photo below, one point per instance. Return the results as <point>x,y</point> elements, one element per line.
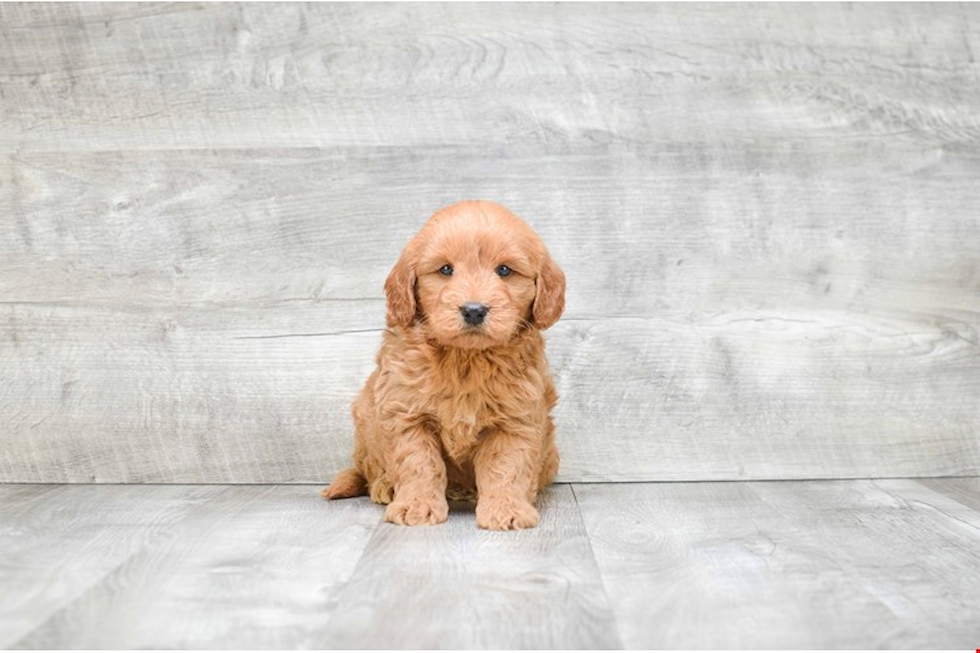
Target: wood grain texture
<point>243,567</point>
<point>59,542</point>
<point>181,396</point>
<point>825,564</point>
<point>91,76</point>
<point>808,564</point>
<point>454,586</point>
<point>767,215</point>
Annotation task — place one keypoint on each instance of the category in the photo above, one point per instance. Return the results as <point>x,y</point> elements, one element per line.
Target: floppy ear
<point>549,298</point>
<point>400,291</point>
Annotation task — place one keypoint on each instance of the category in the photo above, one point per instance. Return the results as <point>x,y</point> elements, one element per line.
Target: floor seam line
<point>353,574</point>
<point>595,562</point>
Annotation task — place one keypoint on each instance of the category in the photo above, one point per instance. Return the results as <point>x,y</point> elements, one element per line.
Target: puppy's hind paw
<point>506,514</point>
<point>417,511</point>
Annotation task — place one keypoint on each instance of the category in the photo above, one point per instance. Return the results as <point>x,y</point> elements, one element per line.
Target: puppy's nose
<point>473,312</point>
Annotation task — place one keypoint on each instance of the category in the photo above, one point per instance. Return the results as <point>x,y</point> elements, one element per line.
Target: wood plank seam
<point>595,564</point>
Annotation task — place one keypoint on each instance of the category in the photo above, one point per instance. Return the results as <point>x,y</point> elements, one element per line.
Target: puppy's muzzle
<point>473,313</point>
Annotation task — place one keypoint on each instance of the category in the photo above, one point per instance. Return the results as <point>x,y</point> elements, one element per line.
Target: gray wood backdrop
<point>769,216</point>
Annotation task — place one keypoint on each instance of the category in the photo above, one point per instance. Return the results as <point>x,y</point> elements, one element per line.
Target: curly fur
<point>455,409</point>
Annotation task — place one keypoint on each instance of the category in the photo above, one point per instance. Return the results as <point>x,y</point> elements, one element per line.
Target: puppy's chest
<point>464,412</point>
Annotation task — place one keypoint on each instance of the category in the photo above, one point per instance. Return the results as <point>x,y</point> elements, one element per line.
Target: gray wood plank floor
<point>795,564</point>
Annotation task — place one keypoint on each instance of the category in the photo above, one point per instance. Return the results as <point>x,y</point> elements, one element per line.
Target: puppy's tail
<point>348,483</point>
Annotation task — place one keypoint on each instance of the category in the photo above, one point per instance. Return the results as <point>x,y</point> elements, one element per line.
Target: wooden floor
<point>793,564</point>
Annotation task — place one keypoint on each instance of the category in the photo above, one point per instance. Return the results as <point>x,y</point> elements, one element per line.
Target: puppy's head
<point>474,276</point>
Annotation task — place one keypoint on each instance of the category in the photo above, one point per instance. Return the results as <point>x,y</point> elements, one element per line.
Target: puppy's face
<point>475,286</point>
<point>474,276</point>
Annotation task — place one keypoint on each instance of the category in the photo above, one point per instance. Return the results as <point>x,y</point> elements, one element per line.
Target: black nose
<point>473,312</point>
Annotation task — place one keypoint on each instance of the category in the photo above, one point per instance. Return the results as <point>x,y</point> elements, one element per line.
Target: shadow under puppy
<point>461,397</point>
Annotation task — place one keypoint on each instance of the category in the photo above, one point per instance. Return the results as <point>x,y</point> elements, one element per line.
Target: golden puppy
<point>460,401</point>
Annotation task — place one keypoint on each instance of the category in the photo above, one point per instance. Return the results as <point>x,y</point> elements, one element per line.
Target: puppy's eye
<point>446,270</point>
<point>504,271</point>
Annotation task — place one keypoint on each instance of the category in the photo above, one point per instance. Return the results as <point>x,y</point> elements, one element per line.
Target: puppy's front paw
<point>506,514</point>
<point>416,511</point>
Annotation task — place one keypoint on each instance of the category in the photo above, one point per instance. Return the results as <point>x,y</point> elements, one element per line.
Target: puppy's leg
<point>551,459</point>
<point>418,474</point>
<point>506,480</point>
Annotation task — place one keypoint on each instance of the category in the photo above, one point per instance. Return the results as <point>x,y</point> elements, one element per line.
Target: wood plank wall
<point>769,216</point>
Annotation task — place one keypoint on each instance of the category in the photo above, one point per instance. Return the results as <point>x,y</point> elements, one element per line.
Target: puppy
<point>460,401</point>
